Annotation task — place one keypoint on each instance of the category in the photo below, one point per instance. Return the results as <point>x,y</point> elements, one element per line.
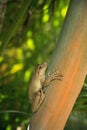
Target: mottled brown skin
<point>39,80</point>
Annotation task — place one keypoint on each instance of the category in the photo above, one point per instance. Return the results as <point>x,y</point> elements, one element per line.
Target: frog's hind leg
<point>39,98</point>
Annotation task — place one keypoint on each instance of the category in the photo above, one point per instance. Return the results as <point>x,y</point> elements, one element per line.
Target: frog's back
<point>34,87</point>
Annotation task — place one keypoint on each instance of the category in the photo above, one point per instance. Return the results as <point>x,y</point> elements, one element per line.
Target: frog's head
<point>41,69</point>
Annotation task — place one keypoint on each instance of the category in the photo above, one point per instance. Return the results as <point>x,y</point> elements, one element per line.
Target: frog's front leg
<point>52,76</point>
<point>39,98</point>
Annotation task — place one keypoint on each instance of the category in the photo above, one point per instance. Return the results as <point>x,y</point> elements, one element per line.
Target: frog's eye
<point>40,67</point>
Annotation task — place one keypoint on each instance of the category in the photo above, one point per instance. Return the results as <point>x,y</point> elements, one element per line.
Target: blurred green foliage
<point>29,34</point>
<point>28,37</point>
